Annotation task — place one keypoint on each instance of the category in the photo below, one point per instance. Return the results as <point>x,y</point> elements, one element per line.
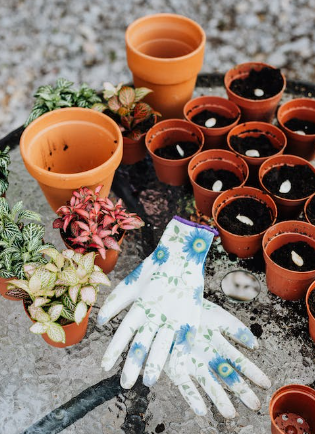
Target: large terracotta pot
<point>287,284</point>
<point>214,137</point>
<point>311,318</point>
<point>165,53</point>
<point>252,110</point>
<point>216,159</point>
<point>301,108</point>
<point>69,148</point>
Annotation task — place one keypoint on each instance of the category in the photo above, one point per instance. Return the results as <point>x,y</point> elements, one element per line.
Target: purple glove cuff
<point>196,225</point>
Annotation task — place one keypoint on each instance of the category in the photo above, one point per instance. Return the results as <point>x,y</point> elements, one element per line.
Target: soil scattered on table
<point>296,124</point>
<point>260,143</point>
<point>310,210</point>
<point>220,120</point>
<point>283,256</point>
<point>172,152</point>
<point>208,177</point>
<point>269,80</point>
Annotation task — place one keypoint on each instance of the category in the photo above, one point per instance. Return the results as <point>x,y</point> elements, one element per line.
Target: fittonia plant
<point>4,170</point>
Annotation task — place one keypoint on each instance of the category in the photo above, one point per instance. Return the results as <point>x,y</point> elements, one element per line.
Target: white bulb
<point>180,151</point>
<point>245,220</point>
<point>258,92</point>
<point>217,186</point>
<point>252,153</point>
<point>210,122</point>
<point>300,132</point>
<point>297,259</point>
<point>285,187</point>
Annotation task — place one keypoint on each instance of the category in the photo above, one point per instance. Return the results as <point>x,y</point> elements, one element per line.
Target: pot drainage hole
<point>291,423</point>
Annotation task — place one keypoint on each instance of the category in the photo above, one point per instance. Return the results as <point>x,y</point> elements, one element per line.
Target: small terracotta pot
<point>3,289</point>
<point>252,110</point>
<point>287,284</point>
<point>243,246</point>
<point>214,137</point>
<point>276,137</point>
<point>301,108</point>
<point>173,172</point>
<point>134,150</point>
<point>311,318</point>
<point>165,53</point>
<point>217,159</point>
<point>69,148</point>
<point>306,212</point>
<point>287,208</point>
<point>293,398</point>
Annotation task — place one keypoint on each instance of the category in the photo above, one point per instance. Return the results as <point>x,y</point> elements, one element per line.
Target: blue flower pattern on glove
<point>197,244</point>
<point>160,254</point>
<point>138,353</point>
<point>225,371</point>
<point>185,337</point>
<point>198,295</point>
<point>245,337</point>
<point>134,275</point>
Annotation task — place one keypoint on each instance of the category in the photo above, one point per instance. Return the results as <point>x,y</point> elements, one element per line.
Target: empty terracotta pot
<point>216,159</point>
<point>215,137</point>
<point>310,216</point>
<point>133,150</point>
<point>165,53</point>
<point>252,110</point>
<point>296,403</point>
<point>69,148</point>
<point>168,132</point>
<point>285,283</point>
<point>311,318</point>
<point>304,109</point>
<point>287,208</point>
<point>243,246</point>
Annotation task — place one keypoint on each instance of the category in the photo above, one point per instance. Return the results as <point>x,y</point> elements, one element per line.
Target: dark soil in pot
<point>261,143</point>
<point>208,177</point>
<point>268,81</point>
<point>286,259</point>
<point>311,302</point>
<point>215,120</point>
<point>229,218</point>
<point>177,151</point>
<point>311,211</point>
<point>300,126</point>
<point>301,177</point>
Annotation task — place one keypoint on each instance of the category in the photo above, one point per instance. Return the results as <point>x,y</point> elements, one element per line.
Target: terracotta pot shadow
<point>311,318</point>
<point>309,217</point>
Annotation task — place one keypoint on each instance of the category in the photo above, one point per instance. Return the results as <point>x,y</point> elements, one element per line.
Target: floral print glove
<point>213,358</point>
<point>166,290</point>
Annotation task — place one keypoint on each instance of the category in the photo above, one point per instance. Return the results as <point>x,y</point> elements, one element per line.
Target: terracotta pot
<point>69,148</point>
<point>287,208</point>
<point>301,108</point>
<point>134,150</point>
<point>3,289</point>
<point>165,53</point>
<point>306,212</point>
<point>311,318</point>
<point>214,137</point>
<point>252,110</point>
<point>164,133</point>
<point>287,284</point>
<point>293,398</point>
<point>243,246</point>
<point>217,159</point>
<point>249,129</point>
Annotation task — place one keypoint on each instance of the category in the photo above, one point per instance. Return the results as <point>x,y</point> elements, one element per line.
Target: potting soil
<point>267,79</point>
<point>208,177</point>
<point>296,124</point>
<point>170,152</point>
<point>221,121</point>
<point>283,256</point>
<point>261,143</point>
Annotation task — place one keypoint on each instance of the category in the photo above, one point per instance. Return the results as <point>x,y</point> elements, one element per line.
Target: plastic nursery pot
<point>3,289</point>
<point>165,53</point>
<point>285,283</point>
<point>255,129</point>
<point>133,150</point>
<point>69,148</point>
<point>310,216</point>
<point>287,208</point>
<point>216,159</point>
<point>214,137</point>
<point>311,318</point>
<point>252,110</point>
<point>243,246</point>
<point>168,132</point>
<point>293,406</point>
<point>303,109</point>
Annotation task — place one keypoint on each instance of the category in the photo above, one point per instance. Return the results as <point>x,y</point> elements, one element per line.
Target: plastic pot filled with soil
<point>256,88</point>
<point>242,215</point>
<point>292,410</point>
<point>172,144</point>
<point>309,209</point>
<point>310,304</point>
<point>215,116</point>
<point>297,119</point>
<point>290,180</point>
<point>213,171</point>
<point>289,254</point>
<point>256,142</point>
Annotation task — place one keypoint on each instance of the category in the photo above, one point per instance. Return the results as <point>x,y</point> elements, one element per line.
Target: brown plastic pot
<point>243,246</point>
<point>214,137</point>
<point>164,133</point>
<point>216,159</point>
<point>301,108</point>
<point>3,289</point>
<point>311,318</point>
<point>287,284</point>
<point>255,129</point>
<point>165,53</point>
<point>133,150</point>
<point>287,208</point>
<point>69,148</point>
<point>306,212</point>
<point>293,398</point>
<point>252,110</point>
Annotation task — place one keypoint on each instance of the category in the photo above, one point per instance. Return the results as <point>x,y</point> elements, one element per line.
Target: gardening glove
<point>165,289</point>
<point>213,358</point>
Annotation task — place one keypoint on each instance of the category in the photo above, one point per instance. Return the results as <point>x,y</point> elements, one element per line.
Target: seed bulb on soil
<point>245,220</point>
<point>210,122</point>
<point>285,187</point>
<point>252,153</point>
<point>300,132</point>
<point>258,92</point>
<point>180,151</point>
<point>217,186</point>
<point>297,259</point>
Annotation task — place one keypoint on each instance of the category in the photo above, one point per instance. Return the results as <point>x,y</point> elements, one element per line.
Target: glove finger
<point>137,354</point>
<point>158,354</point>
<point>130,324</point>
<point>192,396</point>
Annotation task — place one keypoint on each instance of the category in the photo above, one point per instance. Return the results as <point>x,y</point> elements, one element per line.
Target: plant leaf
<point>55,311</point>
<point>87,261</point>
<point>127,96</point>
<point>141,92</point>
<point>114,104</point>
<point>38,328</point>
<point>80,312</point>
<point>142,110</point>
<point>56,333</point>
<point>73,293</point>
<point>88,295</point>
<point>98,277</point>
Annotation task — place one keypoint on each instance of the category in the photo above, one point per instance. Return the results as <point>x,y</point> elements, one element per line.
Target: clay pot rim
<point>166,59</point>
<point>309,291</point>
<point>284,108</point>
<point>309,200</point>
<point>252,65</point>
<point>285,157</point>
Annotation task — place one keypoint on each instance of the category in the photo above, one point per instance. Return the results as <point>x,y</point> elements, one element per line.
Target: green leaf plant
<point>4,170</point>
